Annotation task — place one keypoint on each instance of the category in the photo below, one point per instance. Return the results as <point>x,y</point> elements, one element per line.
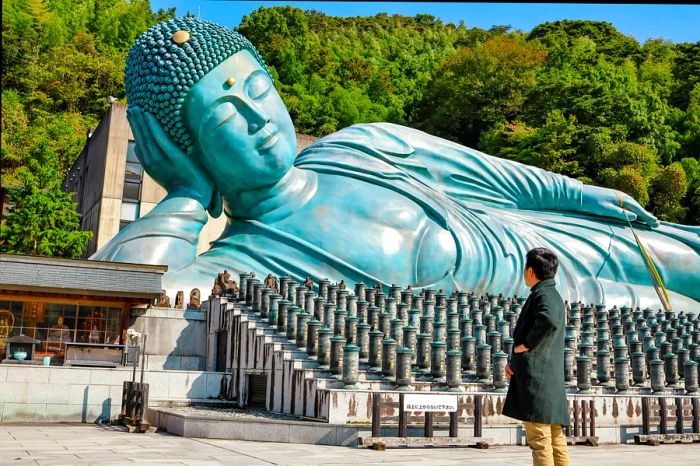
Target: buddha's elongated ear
<point>216,205</point>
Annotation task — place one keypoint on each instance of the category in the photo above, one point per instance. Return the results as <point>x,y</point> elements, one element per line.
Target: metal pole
<point>143,356</point>
<point>402,417</point>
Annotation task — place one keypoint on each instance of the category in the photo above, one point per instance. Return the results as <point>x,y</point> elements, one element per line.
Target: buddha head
<point>212,94</point>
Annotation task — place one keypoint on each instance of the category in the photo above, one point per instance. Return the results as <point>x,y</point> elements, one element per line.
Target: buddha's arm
<point>469,174</point>
<point>167,235</point>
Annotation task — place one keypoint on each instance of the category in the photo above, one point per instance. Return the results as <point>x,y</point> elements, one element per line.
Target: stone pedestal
<point>583,374</point>
<point>389,358</point>
<point>500,382</point>
<point>483,362</point>
<point>312,338</point>
<point>363,339</point>
<point>351,365</point>
<point>437,361</point>
<point>336,362</point>
<point>375,350</point>
<point>656,375</point>
<point>404,377</point>
<point>622,374</point>
<point>469,354</point>
<point>454,370</point>
<point>324,347</point>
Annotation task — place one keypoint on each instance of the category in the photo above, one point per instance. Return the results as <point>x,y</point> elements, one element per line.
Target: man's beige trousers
<point>548,444</point>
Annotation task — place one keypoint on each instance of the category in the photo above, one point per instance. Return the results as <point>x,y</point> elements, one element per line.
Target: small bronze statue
<point>195,299</point>
<point>271,282</point>
<point>163,300</point>
<point>180,300</point>
<point>342,285</point>
<point>308,283</point>
<point>224,285</point>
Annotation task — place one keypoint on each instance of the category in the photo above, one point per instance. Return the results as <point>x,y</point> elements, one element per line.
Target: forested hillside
<point>576,97</point>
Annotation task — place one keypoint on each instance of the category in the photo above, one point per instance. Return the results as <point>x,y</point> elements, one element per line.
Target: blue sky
<point>678,23</point>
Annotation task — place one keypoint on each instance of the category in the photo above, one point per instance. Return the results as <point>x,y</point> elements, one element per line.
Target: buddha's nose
<point>257,117</point>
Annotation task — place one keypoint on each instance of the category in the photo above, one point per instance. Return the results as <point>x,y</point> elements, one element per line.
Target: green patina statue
<point>373,202</point>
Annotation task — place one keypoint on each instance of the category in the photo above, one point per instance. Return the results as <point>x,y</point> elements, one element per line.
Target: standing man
<point>537,394</point>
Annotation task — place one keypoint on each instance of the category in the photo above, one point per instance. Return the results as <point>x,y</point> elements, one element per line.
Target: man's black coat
<point>537,391</point>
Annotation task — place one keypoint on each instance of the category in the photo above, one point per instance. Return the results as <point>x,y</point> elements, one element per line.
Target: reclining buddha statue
<point>377,202</point>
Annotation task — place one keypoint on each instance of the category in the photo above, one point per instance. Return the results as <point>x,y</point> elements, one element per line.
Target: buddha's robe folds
<point>495,210</point>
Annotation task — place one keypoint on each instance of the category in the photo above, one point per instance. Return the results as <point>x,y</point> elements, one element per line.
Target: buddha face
<point>242,132</point>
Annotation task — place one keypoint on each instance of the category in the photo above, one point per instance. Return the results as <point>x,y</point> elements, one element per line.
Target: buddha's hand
<point>616,204</point>
<point>168,164</point>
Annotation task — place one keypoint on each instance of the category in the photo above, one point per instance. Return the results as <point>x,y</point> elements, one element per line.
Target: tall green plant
<point>42,219</point>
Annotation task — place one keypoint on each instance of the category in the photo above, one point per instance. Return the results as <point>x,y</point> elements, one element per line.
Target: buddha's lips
<point>269,141</point>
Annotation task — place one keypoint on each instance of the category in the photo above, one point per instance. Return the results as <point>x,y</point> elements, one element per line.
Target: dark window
<point>131,194</point>
<point>131,153</point>
<point>132,191</point>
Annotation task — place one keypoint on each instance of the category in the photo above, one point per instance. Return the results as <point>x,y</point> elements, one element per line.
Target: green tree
<point>668,189</point>
<point>479,86</point>
<point>42,219</point>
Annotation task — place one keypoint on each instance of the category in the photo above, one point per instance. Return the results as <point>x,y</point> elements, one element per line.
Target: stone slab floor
<point>72,444</point>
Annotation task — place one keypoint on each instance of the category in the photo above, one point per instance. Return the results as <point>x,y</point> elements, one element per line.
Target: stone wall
<point>73,394</point>
<point>177,338</point>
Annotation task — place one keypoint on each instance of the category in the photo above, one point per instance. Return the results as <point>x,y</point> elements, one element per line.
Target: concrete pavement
<point>58,444</point>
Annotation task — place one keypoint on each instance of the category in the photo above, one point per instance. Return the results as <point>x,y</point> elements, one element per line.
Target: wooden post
<point>428,429</point>
<point>591,405</point>
<point>679,415</point>
<point>126,387</point>
<point>663,428</point>
<point>477,415</point>
<point>577,430</point>
<point>376,426</point>
<point>696,415</point>
<point>567,428</point>
<point>646,428</point>
<point>584,408</point>
<point>402,417</point>
<point>453,424</point>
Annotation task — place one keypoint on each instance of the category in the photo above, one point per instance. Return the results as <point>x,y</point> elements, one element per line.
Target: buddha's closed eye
<point>258,85</point>
<point>224,113</point>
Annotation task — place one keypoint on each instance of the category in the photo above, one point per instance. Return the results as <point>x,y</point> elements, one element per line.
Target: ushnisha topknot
<point>169,58</point>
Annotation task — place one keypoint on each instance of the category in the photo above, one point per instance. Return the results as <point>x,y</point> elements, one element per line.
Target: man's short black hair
<point>543,262</point>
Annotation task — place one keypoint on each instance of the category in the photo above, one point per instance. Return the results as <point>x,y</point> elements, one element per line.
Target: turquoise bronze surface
<point>373,202</point>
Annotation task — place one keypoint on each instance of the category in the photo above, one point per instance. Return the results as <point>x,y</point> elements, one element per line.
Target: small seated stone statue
<point>195,299</point>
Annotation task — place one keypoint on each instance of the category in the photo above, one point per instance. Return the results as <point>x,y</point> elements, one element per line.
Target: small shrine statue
<point>180,300</point>
<point>342,285</point>
<point>163,300</point>
<point>308,283</point>
<point>271,282</point>
<point>195,299</point>
<point>224,285</point>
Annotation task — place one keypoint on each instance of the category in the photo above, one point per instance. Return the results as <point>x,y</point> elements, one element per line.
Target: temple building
<point>111,187</point>
<point>60,302</point>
